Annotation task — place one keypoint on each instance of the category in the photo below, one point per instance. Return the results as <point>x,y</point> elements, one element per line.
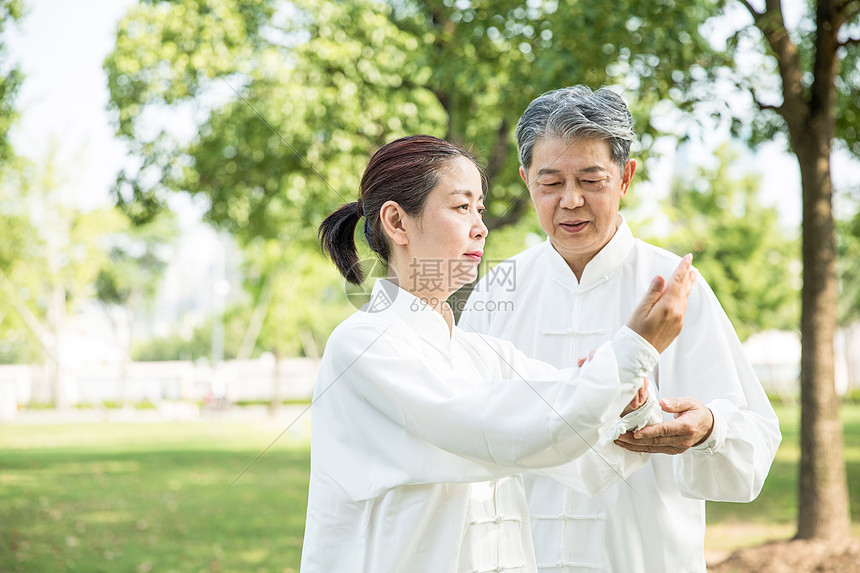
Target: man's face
<point>576,189</point>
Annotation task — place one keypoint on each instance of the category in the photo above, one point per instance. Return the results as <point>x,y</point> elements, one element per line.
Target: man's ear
<point>392,217</point>
<point>627,176</point>
<point>523,175</point>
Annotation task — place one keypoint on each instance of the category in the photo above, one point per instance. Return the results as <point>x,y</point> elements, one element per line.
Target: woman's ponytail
<point>337,237</point>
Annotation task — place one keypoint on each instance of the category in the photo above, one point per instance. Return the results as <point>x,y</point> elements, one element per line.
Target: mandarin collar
<point>602,265</point>
<point>387,300</point>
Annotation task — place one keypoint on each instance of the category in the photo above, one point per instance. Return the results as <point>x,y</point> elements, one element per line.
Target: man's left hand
<point>692,425</point>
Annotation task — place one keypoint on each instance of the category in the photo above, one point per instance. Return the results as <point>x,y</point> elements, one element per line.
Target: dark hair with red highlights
<point>405,171</point>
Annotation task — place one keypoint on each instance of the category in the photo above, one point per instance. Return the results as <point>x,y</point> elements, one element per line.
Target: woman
<point>420,429</point>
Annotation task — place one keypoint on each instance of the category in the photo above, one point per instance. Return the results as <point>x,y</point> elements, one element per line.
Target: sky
<point>61,45</point>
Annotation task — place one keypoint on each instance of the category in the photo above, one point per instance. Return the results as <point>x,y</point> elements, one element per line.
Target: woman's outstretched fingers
<point>655,292</point>
<point>660,315</point>
<point>683,277</point>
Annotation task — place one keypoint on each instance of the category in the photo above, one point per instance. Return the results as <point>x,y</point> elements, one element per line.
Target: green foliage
<point>50,255</point>
<point>737,244</point>
<point>52,252</point>
<point>308,297</point>
<point>848,96</point>
<point>760,77</point>
<point>848,248</point>
<point>175,347</point>
<point>314,87</point>
<point>136,261</point>
<point>306,300</point>
<point>198,344</point>
<point>16,228</point>
<point>290,100</point>
<point>10,77</point>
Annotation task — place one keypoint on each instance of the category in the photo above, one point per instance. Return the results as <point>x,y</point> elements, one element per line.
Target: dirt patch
<point>797,556</point>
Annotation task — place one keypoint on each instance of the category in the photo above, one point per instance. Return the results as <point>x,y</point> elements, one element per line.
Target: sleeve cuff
<point>635,356</point>
<point>648,413</point>
<point>717,438</point>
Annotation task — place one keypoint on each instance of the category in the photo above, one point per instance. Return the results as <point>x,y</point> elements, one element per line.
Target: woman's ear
<point>392,218</point>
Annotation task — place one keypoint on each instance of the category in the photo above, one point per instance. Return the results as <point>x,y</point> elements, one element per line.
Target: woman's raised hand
<point>660,315</point>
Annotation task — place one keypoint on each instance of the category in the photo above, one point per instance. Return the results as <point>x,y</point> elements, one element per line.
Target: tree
<point>311,89</point>
<point>736,243</point>
<point>21,243</point>
<point>49,261</point>
<point>335,79</point>
<point>816,107</point>
<point>10,77</point>
<point>130,276</point>
<point>291,99</point>
<point>299,301</point>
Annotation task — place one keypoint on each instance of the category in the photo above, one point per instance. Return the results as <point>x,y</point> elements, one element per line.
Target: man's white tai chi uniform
<point>655,520</point>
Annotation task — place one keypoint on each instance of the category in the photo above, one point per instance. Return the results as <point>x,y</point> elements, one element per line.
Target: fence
<point>157,383</point>
<point>775,356</point>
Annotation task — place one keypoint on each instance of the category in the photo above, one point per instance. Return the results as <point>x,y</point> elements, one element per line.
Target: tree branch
<point>45,338</point>
<point>499,153</point>
<point>767,107</point>
<point>849,41</point>
<point>772,25</point>
<point>513,213</point>
<point>843,10</point>
<point>828,22</point>
<point>755,13</point>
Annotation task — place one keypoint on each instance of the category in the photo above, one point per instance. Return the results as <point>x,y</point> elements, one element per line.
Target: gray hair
<point>577,112</point>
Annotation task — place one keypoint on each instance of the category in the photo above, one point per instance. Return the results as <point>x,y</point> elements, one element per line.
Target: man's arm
<point>726,437</point>
<point>605,465</point>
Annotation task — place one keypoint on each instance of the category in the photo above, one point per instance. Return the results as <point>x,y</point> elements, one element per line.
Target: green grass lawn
<point>150,497</point>
<point>773,514</point>
<point>154,497</point>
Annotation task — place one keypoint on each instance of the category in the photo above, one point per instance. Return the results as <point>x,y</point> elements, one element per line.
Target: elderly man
<point>560,299</point>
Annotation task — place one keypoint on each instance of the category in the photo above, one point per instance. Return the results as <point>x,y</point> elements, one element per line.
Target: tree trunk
<point>125,362</point>
<point>275,403</point>
<point>810,118</point>
<point>57,317</point>
<point>823,495</point>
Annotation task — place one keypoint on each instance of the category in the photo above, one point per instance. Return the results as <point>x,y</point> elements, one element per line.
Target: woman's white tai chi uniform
<point>419,433</point>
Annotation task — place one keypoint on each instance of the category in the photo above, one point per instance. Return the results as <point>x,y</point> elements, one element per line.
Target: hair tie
<point>368,234</point>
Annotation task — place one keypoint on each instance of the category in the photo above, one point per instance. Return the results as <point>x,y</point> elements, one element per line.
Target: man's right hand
<point>660,316</point>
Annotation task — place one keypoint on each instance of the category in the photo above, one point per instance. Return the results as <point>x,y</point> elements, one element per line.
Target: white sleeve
<point>606,463</point>
<point>603,464</point>
<point>708,363</point>
<point>537,416</point>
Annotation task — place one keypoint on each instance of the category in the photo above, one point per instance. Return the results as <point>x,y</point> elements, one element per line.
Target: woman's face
<point>446,242</point>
